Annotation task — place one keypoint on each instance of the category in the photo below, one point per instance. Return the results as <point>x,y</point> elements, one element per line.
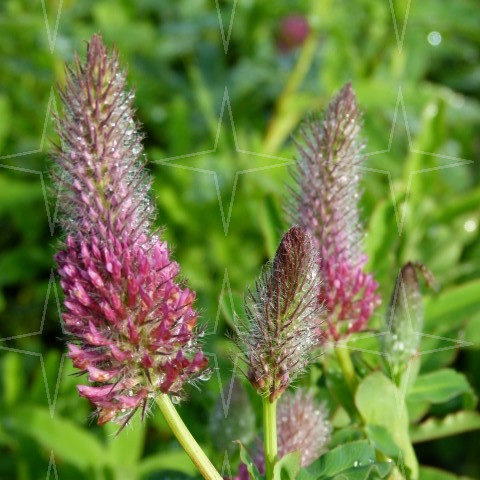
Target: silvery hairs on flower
<point>132,327</point>
<point>324,201</point>
<point>282,311</point>
<point>303,425</point>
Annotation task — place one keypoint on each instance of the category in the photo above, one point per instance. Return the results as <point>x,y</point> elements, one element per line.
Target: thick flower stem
<point>189,444</point>
<point>270,436</point>
<point>343,357</point>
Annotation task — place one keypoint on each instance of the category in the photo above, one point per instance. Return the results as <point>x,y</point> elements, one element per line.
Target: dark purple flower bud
<point>292,32</point>
<point>282,314</point>
<point>132,326</point>
<point>325,203</point>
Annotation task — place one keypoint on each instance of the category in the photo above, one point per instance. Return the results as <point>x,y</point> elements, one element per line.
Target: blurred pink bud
<point>292,32</point>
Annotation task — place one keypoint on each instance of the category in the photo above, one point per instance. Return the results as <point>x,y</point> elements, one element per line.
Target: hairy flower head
<point>282,315</point>
<point>325,204</point>
<point>302,425</point>
<point>132,326</point>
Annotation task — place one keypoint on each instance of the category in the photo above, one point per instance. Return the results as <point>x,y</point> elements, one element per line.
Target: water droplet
<point>470,225</point>
<point>205,376</point>
<point>434,38</point>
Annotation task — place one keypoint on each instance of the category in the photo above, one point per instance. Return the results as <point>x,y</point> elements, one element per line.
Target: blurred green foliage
<point>218,130</point>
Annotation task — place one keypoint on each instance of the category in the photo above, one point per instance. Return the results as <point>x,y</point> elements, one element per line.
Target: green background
<point>219,183</point>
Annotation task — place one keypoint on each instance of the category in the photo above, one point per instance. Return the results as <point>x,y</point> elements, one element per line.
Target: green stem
<point>284,118</point>
<point>343,357</point>
<point>189,444</point>
<point>270,436</point>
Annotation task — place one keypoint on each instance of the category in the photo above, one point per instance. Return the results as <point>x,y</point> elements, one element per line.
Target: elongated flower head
<point>325,203</point>
<point>133,327</point>
<point>405,316</point>
<point>282,315</point>
<point>302,425</point>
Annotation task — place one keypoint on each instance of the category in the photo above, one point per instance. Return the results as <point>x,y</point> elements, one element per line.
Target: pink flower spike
<point>325,203</point>
<point>124,308</point>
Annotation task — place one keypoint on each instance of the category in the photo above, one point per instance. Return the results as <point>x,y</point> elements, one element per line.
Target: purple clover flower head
<point>325,203</point>
<point>282,315</point>
<point>302,425</point>
<point>132,326</point>
<point>292,32</point>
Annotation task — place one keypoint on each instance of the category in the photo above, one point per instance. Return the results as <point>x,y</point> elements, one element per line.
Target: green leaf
<point>472,331</point>
<point>439,386</point>
<point>5,114</point>
<point>288,467</point>
<point>383,441</point>
<point>15,193</point>
<point>68,441</point>
<point>453,424</point>
<point>165,475</point>
<point>270,224</point>
<point>12,378</point>
<point>339,389</point>
<point>452,306</point>
<point>346,434</point>
<point>379,402</point>
<point>125,449</point>
<point>430,473</point>
<point>167,460</point>
<point>367,472</point>
<point>342,458</point>
<point>252,469</point>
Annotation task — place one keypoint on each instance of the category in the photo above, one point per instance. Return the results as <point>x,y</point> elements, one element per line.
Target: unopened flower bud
<point>405,316</point>
<point>282,315</point>
<point>292,32</point>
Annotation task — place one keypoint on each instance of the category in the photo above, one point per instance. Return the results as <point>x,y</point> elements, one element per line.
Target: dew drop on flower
<point>205,376</point>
